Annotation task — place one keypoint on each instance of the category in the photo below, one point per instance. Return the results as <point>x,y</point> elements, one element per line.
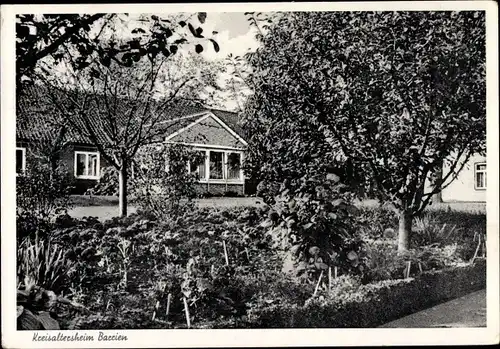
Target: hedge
<point>373,304</point>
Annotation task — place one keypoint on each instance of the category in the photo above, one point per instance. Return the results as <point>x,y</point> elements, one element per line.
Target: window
<point>197,166</point>
<point>86,165</point>
<point>233,165</point>
<point>216,165</point>
<point>480,176</point>
<point>20,160</point>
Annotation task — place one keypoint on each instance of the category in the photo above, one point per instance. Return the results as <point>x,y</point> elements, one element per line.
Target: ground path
<point>466,311</point>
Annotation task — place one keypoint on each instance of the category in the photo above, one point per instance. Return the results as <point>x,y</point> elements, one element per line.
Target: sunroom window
<point>216,165</point>
<point>198,166</point>
<point>233,165</point>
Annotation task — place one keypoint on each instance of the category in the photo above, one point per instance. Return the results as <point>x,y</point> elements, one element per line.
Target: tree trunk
<point>122,194</point>
<point>404,234</point>
<point>437,178</point>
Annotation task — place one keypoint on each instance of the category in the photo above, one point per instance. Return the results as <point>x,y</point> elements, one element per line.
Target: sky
<point>234,36</point>
<point>234,33</point>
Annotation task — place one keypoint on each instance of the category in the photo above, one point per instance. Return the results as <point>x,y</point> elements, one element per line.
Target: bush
<point>165,192</point>
<point>312,220</point>
<point>41,193</point>
<point>107,184</point>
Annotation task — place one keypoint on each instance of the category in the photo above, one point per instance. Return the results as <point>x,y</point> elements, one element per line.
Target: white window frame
<point>213,180</point>
<point>476,172</point>
<point>23,164</point>
<point>224,179</point>
<point>87,153</point>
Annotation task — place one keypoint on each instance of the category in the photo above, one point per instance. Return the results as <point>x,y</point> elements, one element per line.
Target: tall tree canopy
<point>39,36</point>
<point>396,94</point>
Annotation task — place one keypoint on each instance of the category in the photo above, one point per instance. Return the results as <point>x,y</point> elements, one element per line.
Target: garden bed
<point>374,304</point>
<point>222,264</point>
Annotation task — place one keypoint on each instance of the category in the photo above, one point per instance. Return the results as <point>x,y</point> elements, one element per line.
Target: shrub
<point>165,191</point>
<point>312,220</point>
<point>41,192</point>
<point>107,184</point>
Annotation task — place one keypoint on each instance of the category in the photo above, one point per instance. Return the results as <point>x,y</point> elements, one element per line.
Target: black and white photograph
<point>263,169</point>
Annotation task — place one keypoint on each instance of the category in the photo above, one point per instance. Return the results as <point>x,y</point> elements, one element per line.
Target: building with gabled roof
<point>216,133</point>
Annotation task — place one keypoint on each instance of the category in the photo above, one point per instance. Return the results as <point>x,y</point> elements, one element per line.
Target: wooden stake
<point>420,267</point>
<point>212,270</point>
<point>156,309</point>
<point>186,311</point>
<point>477,250</point>
<point>169,297</point>
<point>248,256</point>
<point>329,279</point>
<point>408,269</point>
<point>335,272</point>
<point>225,252</point>
<point>317,285</point>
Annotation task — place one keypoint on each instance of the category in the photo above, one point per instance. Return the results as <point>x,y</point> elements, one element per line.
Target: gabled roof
<point>38,118</point>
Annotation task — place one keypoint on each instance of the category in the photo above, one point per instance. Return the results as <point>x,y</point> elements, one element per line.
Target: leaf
<point>173,49</point>
<point>138,30</point>
<point>28,321</point>
<point>202,16</point>
<point>307,226</point>
<point>321,266</point>
<point>352,255</point>
<point>47,322</point>
<point>266,224</point>
<point>182,23</point>
<point>216,45</point>
<point>198,48</point>
<point>314,250</point>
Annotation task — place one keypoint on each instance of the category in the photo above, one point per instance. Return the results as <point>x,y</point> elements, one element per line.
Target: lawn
<point>106,207</point>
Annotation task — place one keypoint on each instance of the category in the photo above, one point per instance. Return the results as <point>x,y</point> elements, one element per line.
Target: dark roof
<point>38,117</point>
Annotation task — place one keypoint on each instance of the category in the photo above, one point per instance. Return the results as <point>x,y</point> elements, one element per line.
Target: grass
<point>106,207</point>
<point>469,207</point>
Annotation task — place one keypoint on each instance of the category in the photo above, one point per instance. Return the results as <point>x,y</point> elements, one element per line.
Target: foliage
<point>42,263</point>
<point>40,36</point>
<point>41,193</point>
<point>165,191</point>
<point>369,306</point>
<point>225,264</point>
<point>108,183</point>
<point>331,87</point>
<point>312,219</point>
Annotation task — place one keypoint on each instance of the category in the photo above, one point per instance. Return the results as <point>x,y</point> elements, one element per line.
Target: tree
<point>50,35</point>
<point>118,107</point>
<point>397,94</point>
